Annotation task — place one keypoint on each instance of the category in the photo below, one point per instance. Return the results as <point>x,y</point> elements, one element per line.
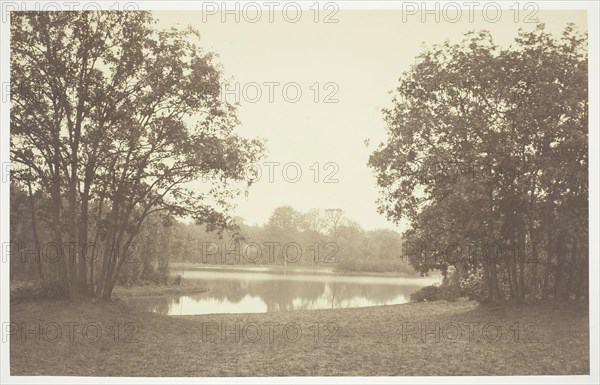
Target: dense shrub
<point>448,290</point>
<point>177,280</point>
<point>426,294</point>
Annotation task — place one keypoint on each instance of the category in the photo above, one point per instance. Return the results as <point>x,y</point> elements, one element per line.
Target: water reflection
<point>259,292</point>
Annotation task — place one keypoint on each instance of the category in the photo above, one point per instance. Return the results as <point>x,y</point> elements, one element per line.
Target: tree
<point>486,149</point>
<point>284,224</point>
<point>333,218</point>
<point>122,120</point>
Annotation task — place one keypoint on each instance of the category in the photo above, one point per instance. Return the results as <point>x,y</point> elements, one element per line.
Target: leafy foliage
<point>488,146</point>
<point>116,120</point>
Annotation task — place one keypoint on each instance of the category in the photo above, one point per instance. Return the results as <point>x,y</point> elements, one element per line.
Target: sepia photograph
<point>299,192</point>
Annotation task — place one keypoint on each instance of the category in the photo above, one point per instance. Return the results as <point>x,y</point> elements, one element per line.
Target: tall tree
<point>122,120</point>
<point>486,148</point>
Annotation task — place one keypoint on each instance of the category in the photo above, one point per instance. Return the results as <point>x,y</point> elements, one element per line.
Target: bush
<point>426,294</point>
<point>447,291</point>
<point>450,292</point>
<point>177,280</point>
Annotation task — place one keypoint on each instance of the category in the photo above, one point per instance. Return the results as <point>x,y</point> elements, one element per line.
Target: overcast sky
<point>362,56</point>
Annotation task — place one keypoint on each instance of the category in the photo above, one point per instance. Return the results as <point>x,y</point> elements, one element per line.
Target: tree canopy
<point>117,119</point>
<point>486,158</point>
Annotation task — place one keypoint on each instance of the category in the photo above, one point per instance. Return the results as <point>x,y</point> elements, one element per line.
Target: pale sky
<point>364,54</point>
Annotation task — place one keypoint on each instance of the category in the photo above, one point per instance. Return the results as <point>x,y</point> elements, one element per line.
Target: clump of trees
<point>35,257</point>
<point>487,159</point>
<point>112,121</point>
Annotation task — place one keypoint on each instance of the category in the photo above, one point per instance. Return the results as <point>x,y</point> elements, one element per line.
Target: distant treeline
<point>314,238</point>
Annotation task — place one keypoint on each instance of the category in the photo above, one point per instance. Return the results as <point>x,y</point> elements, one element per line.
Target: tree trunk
<point>488,280</point>
<point>533,290</point>
<point>513,266</point>
<point>74,245</point>
<point>521,259</point>
<point>63,270</point>
<point>549,255</point>
<point>36,238</point>
<point>83,240</point>
<point>106,255</point>
<point>513,295</point>
<point>559,259</point>
<point>583,276</point>
<point>494,277</point>
<point>572,268</point>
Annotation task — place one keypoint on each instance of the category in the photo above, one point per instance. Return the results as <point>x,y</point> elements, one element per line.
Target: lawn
<point>55,337</point>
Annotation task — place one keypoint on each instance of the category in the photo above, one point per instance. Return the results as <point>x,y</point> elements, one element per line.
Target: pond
<point>261,290</point>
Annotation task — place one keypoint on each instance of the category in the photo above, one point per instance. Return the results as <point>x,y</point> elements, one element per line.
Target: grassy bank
<point>153,290</point>
<point>385,340</point>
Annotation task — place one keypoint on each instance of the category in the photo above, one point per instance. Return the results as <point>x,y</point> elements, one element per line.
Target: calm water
<point>260,290</point>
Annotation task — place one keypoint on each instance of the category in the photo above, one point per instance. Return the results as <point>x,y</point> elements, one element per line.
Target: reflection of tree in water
<point>159,305</point>
<point>280,295</point>
<point>342,294</point>
<point>277,294</point>
<point>283,295</point>
<point>286,295</point>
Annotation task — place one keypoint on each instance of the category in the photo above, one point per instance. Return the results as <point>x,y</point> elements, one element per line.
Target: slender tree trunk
<point>531,246</point>
<point>109,249</point>
<point>583,276</point>
<point>513,295</point>
<point>560,249</point>
<point>63,270</point>
<point>534,272</point>
<point>511,266</point>
<point>83,240</point>
<point>494,277</point>
<point>106,256</point>
<point>488,280</point>
<point>74,246</point>
<point>108,260</point>
<point>514,273</point>
<point>92,286</point>
<point>77,263</point>
<point>36,238</point>
<point>549,255</point>
<point>521,259</point>
<point>572,268</point>
<point>93,283</point>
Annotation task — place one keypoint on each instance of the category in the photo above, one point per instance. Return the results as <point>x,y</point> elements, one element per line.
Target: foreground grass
<point>381,340</point>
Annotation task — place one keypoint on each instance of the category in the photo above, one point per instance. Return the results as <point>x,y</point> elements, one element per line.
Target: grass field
<point>109,339</point>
